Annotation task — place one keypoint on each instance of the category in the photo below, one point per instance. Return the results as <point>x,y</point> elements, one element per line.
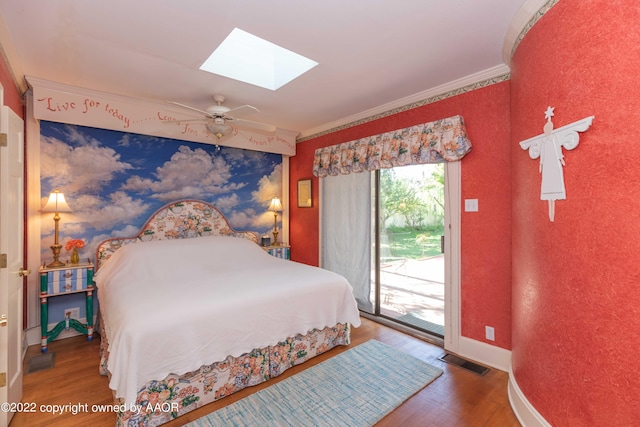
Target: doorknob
<point>24,272</point>
<point>3,320</point>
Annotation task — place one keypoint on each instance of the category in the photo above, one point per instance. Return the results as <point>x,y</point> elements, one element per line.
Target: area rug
<point>355,388</point>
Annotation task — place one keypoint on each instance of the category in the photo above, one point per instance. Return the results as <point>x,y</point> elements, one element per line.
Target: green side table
<point>65,280</point>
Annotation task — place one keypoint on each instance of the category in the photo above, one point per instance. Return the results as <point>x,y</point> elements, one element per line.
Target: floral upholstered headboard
<point>177,220</point>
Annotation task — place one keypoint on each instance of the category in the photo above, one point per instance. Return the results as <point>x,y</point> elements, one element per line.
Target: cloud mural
<point>114,181</point>
<point>86,168</point>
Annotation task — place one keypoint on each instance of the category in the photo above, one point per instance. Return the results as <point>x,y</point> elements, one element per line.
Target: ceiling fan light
<point>219,130</point>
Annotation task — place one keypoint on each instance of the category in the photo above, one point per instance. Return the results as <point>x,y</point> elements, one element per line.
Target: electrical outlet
<point>73,313</point>
<point>490,333</point>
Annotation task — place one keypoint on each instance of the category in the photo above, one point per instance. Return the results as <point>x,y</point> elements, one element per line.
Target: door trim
<point>12,336</point>
<point>453,192</point>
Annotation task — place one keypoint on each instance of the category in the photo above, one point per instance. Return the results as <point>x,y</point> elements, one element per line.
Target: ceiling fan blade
<point>209,116</point>
<point>254,125</point>
<point>189,107</point>
<point>186,121</point>
<point>244,109</point>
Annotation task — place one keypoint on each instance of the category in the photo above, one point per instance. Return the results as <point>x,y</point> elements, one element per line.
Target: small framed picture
<point>304,193</point>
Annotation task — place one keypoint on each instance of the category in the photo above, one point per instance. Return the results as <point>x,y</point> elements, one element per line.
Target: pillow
<point>180,259</point>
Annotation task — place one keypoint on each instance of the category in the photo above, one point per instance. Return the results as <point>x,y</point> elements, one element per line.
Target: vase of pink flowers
<point>73,246</point>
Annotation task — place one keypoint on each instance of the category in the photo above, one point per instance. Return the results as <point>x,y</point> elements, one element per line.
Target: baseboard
<point>526,414</point>
<point>485,354</point>
<point>34,334</point>
<point>500,358</point>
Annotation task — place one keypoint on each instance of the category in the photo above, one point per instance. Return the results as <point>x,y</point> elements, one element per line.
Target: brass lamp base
<point>275,229</point>
<point>55,264</point>
<point>56,257</point>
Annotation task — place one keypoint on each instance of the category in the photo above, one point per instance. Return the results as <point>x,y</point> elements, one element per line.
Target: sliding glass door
<point>410,238</point>
<point>384,231</point>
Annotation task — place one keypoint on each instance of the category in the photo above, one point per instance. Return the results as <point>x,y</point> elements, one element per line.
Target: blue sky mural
<point>113,181</point>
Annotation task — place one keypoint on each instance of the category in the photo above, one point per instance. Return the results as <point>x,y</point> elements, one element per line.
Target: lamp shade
<point>275,205</point>
<point>56,203</point>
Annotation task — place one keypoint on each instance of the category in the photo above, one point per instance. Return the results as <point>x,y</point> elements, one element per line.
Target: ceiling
<point>371,53</point>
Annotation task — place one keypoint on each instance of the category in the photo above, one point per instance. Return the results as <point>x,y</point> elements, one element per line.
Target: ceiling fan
<point>216,117</point>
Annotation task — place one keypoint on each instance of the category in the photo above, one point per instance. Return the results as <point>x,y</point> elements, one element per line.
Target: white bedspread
<point>171,306</point>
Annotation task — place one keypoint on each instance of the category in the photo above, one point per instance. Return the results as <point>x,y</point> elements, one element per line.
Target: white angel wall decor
<point>548,147</point>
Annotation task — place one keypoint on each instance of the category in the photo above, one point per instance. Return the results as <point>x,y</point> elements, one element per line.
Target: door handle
<point>24,272</point>
<point>3,320</point>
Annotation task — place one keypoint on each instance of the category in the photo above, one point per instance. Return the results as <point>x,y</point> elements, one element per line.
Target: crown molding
<point>529,13</point>
<point>526,17</point>
<point>471,82</point>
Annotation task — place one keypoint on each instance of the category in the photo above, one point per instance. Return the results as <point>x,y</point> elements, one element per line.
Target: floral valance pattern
<point>434,142</point>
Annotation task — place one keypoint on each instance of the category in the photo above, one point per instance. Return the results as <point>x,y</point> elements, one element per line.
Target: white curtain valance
<point>433,142</point>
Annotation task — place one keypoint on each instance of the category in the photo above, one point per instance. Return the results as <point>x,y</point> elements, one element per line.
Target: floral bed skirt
<point>161,401</point>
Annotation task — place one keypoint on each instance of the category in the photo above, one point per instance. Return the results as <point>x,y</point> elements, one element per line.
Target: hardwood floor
<point>457,398</point>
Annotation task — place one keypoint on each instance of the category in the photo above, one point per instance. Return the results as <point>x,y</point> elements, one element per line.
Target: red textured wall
<point>12,96</point>
<point>486,238</point>
<point>576,281</point>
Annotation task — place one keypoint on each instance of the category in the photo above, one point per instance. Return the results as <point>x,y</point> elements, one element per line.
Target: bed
<point>192,311</point>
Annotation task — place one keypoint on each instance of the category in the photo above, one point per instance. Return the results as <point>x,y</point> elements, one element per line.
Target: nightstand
<point>279,251</point>
<point>65,280</point>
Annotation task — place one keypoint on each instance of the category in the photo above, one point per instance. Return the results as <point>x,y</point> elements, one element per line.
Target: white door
<point>11,245</point>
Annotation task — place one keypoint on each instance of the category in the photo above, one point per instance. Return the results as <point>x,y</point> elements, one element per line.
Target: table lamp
<point>56,204</point>
<point>275,207</point>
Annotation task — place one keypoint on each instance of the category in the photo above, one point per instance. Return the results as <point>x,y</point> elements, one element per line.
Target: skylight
<point>250,59</point>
